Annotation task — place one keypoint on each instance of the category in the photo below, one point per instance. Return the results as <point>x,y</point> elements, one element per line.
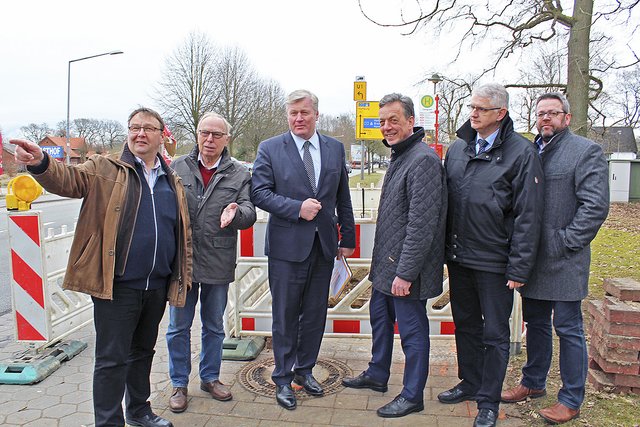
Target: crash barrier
<point>43,313</point>
<point>249,307</point>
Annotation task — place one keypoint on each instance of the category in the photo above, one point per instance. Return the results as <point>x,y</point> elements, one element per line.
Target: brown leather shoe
<point>178,401</point>
<point>558,414</point>
<point>520,393</point>
<point>217,390</point>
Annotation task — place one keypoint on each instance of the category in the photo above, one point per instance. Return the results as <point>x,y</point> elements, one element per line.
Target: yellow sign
<point>368,120</point>
<point>359,91</point>
<point>426,101</point>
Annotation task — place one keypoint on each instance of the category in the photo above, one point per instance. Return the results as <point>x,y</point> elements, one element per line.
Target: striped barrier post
<point>33,308</point>
<point>28,278</point>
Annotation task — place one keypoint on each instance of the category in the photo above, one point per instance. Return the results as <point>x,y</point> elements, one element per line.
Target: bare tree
<point>112,133</point>
<point>239,88</point>
<point>36,132</point>
<point>542,72</point>
<point>267,118</point>
<point>513,26</point>
<point>626,99</point>
<point>189,85</point>
<point>454,95</point>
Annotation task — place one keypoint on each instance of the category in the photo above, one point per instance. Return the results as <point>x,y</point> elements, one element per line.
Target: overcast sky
<point>318,45</point>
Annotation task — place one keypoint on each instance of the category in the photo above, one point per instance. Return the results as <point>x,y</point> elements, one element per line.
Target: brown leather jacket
<point>111,191</point>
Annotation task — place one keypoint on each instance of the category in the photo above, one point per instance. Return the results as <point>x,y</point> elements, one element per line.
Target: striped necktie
<point>308,166</point>
<point>482,145</point>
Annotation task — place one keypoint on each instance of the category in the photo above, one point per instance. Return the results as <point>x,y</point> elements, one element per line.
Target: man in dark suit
<point>300,178</point>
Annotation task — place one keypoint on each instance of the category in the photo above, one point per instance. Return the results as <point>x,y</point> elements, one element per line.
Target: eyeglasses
<point>551,114</point>
<point>216,135</point>
<point>147,129</point>
<point>481,110</point>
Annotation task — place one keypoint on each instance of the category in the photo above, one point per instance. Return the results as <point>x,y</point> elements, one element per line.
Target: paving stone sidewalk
<point>64,398</point>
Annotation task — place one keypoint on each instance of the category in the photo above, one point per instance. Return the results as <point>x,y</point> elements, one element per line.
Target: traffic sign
<point>359,91</point>
<point>368,120</point>
<point>426,101</point>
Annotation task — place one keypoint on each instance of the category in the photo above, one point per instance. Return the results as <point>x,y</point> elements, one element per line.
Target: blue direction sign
<point>371,123</point>
<point>54,151</point>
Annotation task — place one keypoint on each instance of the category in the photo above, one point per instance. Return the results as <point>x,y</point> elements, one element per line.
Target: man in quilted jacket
<point>408,257</point>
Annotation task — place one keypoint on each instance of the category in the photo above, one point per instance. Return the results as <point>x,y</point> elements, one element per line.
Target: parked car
<point>348,166</point>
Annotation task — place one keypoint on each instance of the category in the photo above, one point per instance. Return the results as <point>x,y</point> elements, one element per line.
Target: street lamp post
<point>435,79</point>
<point>68,148</point>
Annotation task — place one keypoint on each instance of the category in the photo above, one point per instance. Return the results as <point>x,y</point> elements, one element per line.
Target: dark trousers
<point>481,304</point>
<point>126,334</point>
<point>300,293</point>
<point>567,321</point>
<point>413,326</point>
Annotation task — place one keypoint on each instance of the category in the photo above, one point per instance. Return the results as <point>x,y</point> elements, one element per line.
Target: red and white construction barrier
<point>28,277</point>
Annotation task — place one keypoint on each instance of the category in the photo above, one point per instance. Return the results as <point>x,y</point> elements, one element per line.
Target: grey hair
<point>217,116</point>
<point>496,93</point>
<point>299,95</point>
<point>407,103</point>
<point>557,96</point>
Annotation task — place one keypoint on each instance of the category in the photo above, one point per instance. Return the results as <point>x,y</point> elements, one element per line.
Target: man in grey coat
<point>408,257</point>
<point>218,194</point>
<point>576,205</point>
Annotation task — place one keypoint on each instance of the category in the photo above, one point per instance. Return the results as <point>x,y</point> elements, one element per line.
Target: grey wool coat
<point>409,238</point>
<point>576,204</point>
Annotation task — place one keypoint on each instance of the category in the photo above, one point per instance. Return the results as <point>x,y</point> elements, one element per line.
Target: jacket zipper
<point>155,245</point>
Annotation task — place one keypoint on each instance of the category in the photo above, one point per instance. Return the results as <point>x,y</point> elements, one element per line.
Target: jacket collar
<point>554,141</point>
<point>402,146</point>
<point>468,134</point>
<point>126,156</point>
<point>225,158</point>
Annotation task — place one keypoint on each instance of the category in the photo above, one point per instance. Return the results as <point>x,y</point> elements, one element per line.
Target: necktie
<point>308,166</point>
<point>482,145</point>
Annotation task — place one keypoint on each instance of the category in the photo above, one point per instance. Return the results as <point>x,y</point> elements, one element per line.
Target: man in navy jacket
<point>300,178</point>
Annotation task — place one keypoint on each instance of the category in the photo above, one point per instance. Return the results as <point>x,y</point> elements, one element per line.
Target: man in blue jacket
<point>494,180</point>
<point>576,205</point>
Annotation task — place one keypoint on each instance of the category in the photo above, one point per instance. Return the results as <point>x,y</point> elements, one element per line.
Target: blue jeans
<point>213,300</point>
<point>567,321</point>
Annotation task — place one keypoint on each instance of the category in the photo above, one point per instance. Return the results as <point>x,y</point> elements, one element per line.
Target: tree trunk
<point>578,65</point>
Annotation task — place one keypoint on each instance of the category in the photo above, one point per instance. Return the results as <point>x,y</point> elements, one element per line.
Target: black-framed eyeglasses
<point>147,129</point>
<point>481,110</point>
<point>216,135</point>
<point>551,114</point>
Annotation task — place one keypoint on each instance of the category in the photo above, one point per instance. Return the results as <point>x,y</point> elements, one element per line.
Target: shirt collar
<point>141,162</point>
<point>314,140</point>
<point>490,139</point>
<point>215,165</point>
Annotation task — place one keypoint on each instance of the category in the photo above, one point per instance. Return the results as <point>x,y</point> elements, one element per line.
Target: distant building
<point>79,150</point>
<point>9,165</point>
<point>615,139</point>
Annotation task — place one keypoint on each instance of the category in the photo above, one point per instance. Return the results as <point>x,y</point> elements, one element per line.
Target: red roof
<point>61,141</point>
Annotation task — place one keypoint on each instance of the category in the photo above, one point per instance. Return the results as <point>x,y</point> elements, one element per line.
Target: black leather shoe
<point>309,383</point>
<point>486,418</point>
<point>285,397</point>
<point>455,395</point>
<point>149,420</point>
<point>399,407</point>
<point>364,381</point>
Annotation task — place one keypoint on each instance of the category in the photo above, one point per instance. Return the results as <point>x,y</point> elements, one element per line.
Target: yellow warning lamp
<point>21,191</point>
